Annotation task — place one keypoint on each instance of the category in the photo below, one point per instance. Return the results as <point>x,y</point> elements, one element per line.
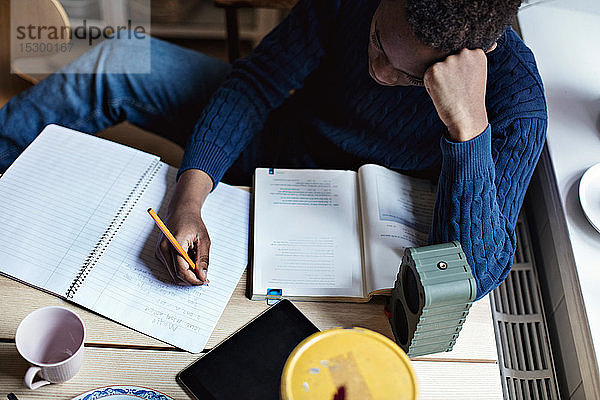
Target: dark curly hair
<point>451,25</point>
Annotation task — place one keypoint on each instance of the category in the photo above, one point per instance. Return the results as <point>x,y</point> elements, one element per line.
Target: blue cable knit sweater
<point>340,117</point>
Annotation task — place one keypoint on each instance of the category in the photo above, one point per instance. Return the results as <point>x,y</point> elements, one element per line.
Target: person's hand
<point>457,87</point>
<point>184,220</point>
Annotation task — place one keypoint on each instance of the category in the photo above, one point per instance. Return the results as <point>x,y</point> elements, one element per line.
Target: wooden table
<point>116,355</point>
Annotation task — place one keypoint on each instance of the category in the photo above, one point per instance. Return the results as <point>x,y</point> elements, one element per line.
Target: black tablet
<point>248,364</point>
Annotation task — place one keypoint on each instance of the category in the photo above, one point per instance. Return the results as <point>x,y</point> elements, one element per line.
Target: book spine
<point>114,226</point>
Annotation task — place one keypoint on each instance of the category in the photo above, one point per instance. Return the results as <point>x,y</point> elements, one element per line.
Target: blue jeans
<point>167,101</point>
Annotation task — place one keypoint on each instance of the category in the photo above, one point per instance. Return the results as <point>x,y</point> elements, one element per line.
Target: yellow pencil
<point>171,238</point>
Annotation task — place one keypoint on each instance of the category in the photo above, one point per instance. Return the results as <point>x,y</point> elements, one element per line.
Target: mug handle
<point>29,375</point>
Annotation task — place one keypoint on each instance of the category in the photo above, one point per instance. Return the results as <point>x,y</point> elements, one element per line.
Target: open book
<point>73,209</point>
<point>335,235</point>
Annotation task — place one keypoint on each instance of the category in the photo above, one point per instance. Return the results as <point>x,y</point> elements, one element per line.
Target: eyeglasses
<point>376,40</point>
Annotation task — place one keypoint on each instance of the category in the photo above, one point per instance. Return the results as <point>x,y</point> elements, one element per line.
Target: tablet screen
<point>248,365</point>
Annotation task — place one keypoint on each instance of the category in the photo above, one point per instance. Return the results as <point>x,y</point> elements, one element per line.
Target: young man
<point>434,88</point>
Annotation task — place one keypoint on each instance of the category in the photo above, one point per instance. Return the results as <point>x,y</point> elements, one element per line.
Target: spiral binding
<point>114,226</point>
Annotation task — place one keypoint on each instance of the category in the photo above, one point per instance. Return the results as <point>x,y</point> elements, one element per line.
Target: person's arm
<point>235,113</point>
<point>482,181</point>
<point>259,84</point>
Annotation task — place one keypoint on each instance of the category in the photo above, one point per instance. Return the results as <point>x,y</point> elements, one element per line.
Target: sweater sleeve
<point>259,84</point>
<point>480,192</point>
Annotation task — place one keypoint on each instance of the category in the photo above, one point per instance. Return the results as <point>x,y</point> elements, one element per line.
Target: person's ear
<point>492,47</point>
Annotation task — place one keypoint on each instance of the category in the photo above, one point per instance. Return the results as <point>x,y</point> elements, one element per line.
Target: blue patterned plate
<point>122,393</point>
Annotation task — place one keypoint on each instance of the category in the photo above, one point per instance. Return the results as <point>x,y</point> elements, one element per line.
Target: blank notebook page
<point>54,211</point>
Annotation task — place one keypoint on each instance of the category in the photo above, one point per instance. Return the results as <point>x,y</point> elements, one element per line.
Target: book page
<point>131,286</point>
<point>397,211</point>
<point>306,233</point>
<point>56,201</point>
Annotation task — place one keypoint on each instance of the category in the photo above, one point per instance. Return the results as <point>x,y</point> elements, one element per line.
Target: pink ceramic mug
<point>51,339</point>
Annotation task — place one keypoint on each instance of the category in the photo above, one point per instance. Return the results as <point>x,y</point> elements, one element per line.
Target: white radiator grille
<point>524,354</point>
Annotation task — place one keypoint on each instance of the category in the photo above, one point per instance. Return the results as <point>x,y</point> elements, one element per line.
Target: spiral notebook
<point>73,208</point>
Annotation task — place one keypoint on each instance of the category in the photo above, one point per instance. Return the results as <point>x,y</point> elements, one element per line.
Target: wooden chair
<point>36,13</point>
<point>10,84</point>
<point>231,18</point>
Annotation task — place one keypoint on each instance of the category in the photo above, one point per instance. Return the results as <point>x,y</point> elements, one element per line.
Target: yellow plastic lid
<point>362,364</point>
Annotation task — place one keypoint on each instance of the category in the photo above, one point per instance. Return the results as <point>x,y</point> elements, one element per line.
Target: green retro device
<point>431,298</point>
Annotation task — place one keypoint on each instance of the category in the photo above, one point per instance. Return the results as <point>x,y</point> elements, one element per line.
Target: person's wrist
<point>467,130</point>
<point>192,188</point>
<point>467,160</point>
